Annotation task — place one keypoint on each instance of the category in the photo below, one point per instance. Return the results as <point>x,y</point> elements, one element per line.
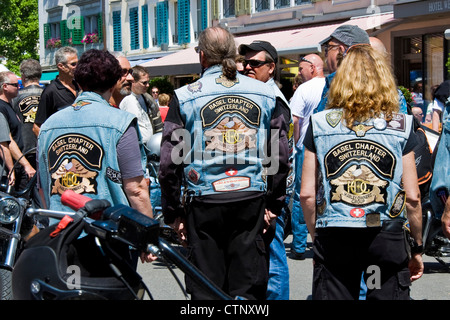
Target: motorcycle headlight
<point>9,210</point>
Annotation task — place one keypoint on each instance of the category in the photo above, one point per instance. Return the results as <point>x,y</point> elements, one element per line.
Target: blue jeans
<point>278,286</point>
<point>299,229</point>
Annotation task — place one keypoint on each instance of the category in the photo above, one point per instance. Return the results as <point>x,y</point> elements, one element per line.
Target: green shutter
<point>162,17</point>
<point>183,22</point>
<point>215,9</point>
<point>47,33</point>
<point>100,26</point>
<point>134,28</point>
<point>145,36</point>
<point>65,34</point>
<point>77,29</point>
<point>117,31</point>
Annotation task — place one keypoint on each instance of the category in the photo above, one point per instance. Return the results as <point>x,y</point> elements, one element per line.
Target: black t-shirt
<point>25,105</point>
<point>15,125</point>
<point>54,97</point>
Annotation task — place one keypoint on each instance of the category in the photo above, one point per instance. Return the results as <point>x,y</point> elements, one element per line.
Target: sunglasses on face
<point>155,92</point>
<point>254,63</point>
<point>126,72</point>
<point>144,83</point>
<point>327,47</point>
<point>13,84</point>
<point>73,64</point>
<point>306,60</point>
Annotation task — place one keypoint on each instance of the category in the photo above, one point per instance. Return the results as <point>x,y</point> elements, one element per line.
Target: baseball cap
<point>349,35</point>
<point>259,45</point>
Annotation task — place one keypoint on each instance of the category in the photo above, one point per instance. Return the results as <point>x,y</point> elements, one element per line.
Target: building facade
<point>161,35</point>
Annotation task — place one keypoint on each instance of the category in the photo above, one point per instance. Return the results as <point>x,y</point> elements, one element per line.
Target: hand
<point>12,178</point>
<point>179,226</point>
<point>415,267</point>
<point>446,221</point>
<point>30,171</point>
<point>148,257</point>
<point>268,218</point>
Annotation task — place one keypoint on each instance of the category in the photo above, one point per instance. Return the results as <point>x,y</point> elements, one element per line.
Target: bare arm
<point>446,219</point>
<point>308,190</point>
<point>7,158</point>
<point>138,194</point>
<point>414,211</point>
<point>18,156</point>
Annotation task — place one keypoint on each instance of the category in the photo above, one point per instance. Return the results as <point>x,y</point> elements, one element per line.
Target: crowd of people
<point>238,161</point>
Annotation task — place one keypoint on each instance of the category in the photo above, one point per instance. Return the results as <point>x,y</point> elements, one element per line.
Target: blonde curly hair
<point>363,87</point>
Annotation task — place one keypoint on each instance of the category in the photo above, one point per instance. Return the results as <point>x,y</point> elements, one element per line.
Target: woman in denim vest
<point>359,185</point>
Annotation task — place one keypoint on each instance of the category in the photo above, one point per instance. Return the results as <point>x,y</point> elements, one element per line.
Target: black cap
<point>259,45</point>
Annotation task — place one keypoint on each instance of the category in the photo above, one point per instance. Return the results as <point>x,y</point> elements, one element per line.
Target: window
<point>262,5</point>
<point>229,9</point>
<point>134,28</point>
<point>117,31</point>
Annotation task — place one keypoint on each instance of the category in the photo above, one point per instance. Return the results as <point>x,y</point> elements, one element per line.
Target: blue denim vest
<point>77,151</point>
<point>227,124</point>
<point>440,183</point>
<point>361,170</point>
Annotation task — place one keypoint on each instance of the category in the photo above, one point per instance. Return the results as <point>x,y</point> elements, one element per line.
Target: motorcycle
<point>153,153</point>
<point>60,264</point>
<point>435,244</point>
<point>14,228</point>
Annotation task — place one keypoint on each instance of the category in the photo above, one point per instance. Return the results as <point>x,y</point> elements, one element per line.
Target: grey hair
<point>62,53</point>
<point>30,70</point>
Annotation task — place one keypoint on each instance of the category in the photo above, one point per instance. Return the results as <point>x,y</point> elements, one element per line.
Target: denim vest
<point>77,151</point>
<point>440,183</point>
<point>360,170</point>
<point>227,124</point>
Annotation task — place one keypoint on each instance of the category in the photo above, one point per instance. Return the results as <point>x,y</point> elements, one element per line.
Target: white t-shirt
<point>131,104</point>
<point>306,98</point>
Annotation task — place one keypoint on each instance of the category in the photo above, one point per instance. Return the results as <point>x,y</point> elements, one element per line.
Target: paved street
<point>434,285</point>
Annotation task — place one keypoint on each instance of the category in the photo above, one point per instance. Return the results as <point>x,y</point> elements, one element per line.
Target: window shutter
<point>215,9</point>
<point>77,30</point>
<point>134,28</point>
<point>204,13</point>
<point>65,34</point>
<point>117,31</point>
<point>162,12</point>
<point>100,26</point>
<point>145,36</point>
<point>183,22</point>
<point>47,33</point>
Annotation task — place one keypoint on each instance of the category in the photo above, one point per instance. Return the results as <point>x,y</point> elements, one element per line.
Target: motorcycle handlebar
<point>131,227</point>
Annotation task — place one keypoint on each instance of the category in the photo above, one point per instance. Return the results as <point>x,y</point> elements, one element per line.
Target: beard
<point>126,89</point>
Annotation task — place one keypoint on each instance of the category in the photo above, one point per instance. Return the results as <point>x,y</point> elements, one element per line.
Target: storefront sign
<point>420,8</point>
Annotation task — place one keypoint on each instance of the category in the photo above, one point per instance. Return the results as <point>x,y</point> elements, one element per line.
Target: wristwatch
<point>415,248</point>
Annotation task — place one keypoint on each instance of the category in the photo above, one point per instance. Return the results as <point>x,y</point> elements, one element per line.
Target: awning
<point>49,76</point>
<point>302,40</point>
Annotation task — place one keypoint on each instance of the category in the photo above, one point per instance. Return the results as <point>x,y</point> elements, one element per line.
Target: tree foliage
<point>19,31</point>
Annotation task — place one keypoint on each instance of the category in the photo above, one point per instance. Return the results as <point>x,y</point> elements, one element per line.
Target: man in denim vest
<point>213,142</point>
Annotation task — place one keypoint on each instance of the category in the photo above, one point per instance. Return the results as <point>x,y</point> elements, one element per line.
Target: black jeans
<point>226,244</point>
<point>342,255</point>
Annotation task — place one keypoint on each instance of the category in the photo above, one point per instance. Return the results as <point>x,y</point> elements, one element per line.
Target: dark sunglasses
<point>13,84</point>
<point>327,47</point>
<point>305,60</point>
<point>73,64</point>
<point>126,72</point>
<point>254,63</point>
